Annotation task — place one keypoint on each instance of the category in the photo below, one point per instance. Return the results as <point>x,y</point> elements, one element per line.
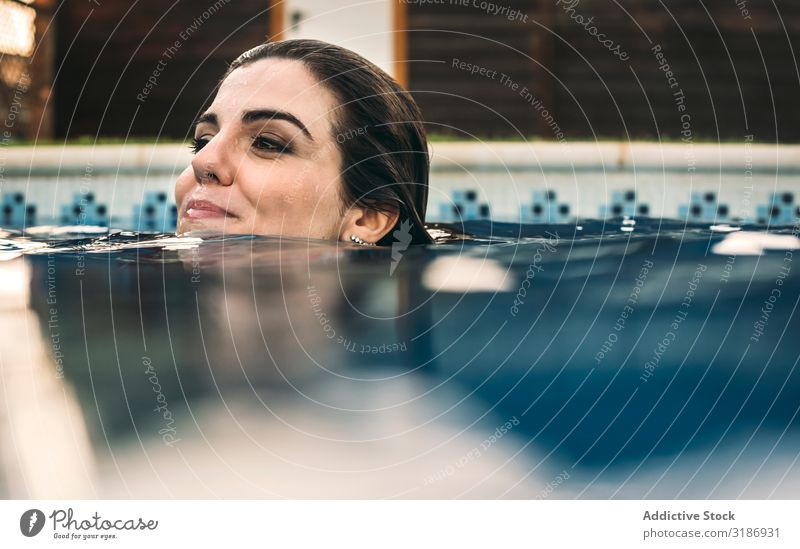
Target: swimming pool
<point>616,358</point>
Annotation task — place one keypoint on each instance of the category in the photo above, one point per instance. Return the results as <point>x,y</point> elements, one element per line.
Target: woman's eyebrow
<point>207,118</point>
<point>268,114</point>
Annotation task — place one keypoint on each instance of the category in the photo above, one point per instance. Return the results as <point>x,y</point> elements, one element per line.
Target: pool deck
<point>446,156</point>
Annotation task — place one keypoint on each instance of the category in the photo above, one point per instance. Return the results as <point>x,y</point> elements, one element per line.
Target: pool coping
<point>446,157</point>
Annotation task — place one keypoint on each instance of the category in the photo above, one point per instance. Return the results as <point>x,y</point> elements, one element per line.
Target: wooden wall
<point>107,51</point>
<point>739,75</point>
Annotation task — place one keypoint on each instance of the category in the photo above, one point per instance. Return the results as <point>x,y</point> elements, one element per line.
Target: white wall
<point>365,27</point>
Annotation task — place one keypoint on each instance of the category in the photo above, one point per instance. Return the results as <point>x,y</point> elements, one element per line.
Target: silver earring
<point>360,242</point>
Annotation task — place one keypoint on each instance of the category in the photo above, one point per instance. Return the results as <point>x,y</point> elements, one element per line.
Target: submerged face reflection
<point>266,159</point>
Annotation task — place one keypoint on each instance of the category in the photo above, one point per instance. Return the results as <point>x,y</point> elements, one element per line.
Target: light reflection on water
<point>204,366</point>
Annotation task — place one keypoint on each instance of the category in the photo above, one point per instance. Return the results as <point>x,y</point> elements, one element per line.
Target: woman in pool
<point>307,139</point>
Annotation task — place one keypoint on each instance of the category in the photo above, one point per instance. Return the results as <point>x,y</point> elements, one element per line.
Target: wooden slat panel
<point>83,93</point>
<point>706,51</point>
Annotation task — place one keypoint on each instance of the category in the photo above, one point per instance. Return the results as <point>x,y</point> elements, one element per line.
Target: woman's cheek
<point>182,185</point>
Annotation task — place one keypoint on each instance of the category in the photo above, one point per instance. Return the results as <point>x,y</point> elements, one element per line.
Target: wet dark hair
<point>385,165</point>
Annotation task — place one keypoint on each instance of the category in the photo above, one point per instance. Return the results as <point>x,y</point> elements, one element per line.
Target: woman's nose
<point>211,164</point>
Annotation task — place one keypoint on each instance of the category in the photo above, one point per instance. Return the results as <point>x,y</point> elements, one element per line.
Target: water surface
<point>606,358</point>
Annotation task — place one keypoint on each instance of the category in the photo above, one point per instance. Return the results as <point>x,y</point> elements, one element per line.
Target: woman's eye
<point>269,144</point>
<point>197,144</point>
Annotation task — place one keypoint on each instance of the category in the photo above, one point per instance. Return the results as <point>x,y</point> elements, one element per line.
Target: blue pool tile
<point>623,203</point>
<point>84,210</point>
<point>464,206</point>
<point>15,213</point>
<point>545,208</point>
<point>781,207</point>
<point>155,213</point>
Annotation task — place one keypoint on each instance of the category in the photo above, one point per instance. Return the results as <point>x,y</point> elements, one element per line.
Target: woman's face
<point>266,159</point>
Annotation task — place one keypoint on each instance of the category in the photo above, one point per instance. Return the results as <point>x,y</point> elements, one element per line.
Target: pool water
<point>604,358</point>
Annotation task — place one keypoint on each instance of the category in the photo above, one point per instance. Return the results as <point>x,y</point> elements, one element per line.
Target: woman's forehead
<point>276,84</point>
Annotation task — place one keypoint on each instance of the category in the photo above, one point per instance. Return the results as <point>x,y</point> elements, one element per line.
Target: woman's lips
<point>203,209</point>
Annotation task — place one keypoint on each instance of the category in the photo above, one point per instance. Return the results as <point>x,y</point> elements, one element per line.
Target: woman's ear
<point>368,224</point>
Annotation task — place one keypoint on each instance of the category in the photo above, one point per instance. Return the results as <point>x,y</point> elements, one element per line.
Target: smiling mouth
<point>203,209</point>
